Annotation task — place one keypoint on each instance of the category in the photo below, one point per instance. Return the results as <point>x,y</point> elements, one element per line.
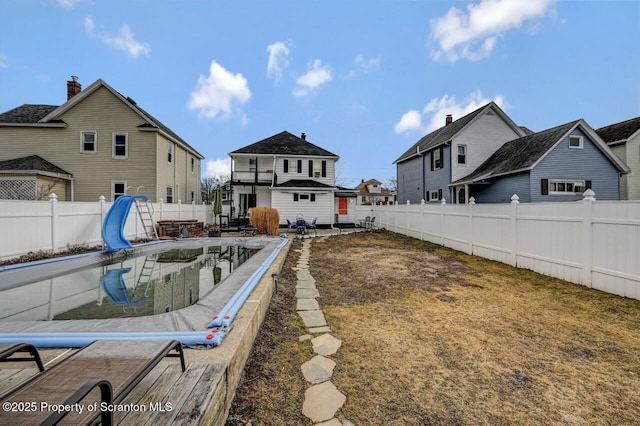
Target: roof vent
<point>303,136</point>
<point>448,120</point>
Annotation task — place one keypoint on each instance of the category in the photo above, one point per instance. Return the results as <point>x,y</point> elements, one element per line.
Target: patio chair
<point>371,224</point>
<point>301,225</point>
<point>312,225</point>
<point>289,224</point>
<point>6,351</point>
<point>115,367</point>
<point>364,223</point>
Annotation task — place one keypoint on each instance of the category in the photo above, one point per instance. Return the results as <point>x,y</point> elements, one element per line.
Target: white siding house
<point>288,173</point>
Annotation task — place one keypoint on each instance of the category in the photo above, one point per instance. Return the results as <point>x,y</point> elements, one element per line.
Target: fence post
<point>161,202</point>
<point>515,200</point>
<point>53,199</point>
<point>587,236</point>
<point>472,202</point>
<point>443,203</point>
<point>179,209</point>
<point>101,200</point>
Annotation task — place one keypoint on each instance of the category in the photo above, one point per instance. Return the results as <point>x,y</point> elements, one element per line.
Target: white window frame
<point>95,142</point>
<point>126,145</point>
<point>170,153</point>
<point>437,162</point>
<point>580,142</point>
<point>464,155</point>
<point>170,195</point>
<point>253,164</point>
<point>434,195</point>
<point>113,189</point>
<point>556,184</point>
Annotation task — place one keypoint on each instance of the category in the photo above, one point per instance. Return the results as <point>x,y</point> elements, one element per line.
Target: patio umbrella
<point>217,202</point>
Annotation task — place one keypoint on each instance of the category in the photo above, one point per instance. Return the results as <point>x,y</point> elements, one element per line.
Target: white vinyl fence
<point>53,225</point>
<point>593,243</point>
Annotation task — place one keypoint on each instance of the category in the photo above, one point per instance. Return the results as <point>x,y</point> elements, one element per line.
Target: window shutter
<point>439,194</point>
<point>286,166</point>
<point>587,184</point>
<point>299,166</point>
<point>324,168</point>
<point>310,168</point>
<point>544,187</point>
<point>428,193</point>
<point>313,197</point>
<point>295,196</point>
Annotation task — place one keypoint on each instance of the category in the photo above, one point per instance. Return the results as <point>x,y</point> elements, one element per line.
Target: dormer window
<point>575,142</point>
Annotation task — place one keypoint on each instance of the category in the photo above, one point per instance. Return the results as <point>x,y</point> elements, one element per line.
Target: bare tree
<point>392,184</point>
<point>209,184</point>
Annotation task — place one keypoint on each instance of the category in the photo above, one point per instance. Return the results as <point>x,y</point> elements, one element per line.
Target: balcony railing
<point>252,176</point>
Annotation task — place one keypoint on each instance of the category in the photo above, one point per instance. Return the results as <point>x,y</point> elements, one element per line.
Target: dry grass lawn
<point>433,336</point>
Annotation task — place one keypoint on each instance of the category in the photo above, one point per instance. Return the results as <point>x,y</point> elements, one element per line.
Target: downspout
<point>273,173</point>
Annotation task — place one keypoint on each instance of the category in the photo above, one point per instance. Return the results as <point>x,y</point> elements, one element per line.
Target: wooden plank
<point>138,393</point>
<point>207,398</point>
<point>12,378</point>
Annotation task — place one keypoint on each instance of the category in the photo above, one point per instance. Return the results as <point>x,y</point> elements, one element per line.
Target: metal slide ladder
<point>145,277</point>
<point>145,211</point>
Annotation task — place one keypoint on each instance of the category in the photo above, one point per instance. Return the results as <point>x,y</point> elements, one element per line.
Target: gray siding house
<point>624,140</point>
<point>426,170</point>
<point>557,164</point>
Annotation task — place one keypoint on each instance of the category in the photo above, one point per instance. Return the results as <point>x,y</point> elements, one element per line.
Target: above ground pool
<point>162,289</point>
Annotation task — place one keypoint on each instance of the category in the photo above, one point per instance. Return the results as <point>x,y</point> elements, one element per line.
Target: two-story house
<point>556,164</point>
<point>288,173</point>
<point>98,142</point>
<point>624,140</point>
<point>451,152</point>
<point>372,192</point>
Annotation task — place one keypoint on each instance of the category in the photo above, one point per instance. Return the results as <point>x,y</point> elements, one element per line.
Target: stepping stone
<point>321,402</point>
<point>307,305</point>
<point>305,337</point>
<point>304,276</point>
<point>307,293</point>
<point>313,319</point>
<point>326,344</point>
<point>317,370</point>
<point>305,284</point>
<point>318,330</point>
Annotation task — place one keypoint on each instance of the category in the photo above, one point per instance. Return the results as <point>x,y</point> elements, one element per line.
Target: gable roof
<point>619,133</point>
<point>32,163</point>
<point>525,153</point>
<point>49,115</point>
<point>284,143</point>
<point>363,188</point>
<point>445,133</point>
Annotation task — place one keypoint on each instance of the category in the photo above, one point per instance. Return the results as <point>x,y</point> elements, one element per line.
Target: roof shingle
<point>284,144</point>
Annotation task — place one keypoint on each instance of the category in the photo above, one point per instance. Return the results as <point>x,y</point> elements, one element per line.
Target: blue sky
<point>363,79</point>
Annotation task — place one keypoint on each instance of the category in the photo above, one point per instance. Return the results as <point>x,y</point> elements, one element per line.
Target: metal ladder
<point>146,274</point>
<point>145,211</point>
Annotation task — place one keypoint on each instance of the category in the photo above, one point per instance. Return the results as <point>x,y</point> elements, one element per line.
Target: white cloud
<point>278,62</point>
<point>411,120</point>
<point>125,40</point>
<point>68,4</point>
<point>316,75</point>
<point>218,92</point>
<point>433,114</point>
<point>362,64</point>
<point>218,167</point>
<point>3,61</point>
<point>473,34</point>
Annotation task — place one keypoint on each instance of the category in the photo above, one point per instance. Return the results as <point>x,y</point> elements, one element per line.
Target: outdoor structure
<point>288,173</point>
<point>624,140</point>
<point>33,178</point>
<point>98,142</point>
<point>557,164</point>
<point>372,192</point>
<point>451,152</point>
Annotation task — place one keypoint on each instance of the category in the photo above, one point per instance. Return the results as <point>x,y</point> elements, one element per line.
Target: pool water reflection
<point>139,286</point>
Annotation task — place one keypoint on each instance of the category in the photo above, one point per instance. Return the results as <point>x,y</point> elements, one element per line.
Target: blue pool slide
<point>113,226</point>
<point>115,287</point>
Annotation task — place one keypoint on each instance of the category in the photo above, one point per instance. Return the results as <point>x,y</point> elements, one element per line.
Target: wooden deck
<point>165,396</point>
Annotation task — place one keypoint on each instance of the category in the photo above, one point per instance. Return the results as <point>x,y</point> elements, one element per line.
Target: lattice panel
<point>18,189</point>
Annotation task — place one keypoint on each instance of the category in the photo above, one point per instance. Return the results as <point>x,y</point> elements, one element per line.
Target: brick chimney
<point>448,120</point>
<point>73,87</point>
<point>303,136</point>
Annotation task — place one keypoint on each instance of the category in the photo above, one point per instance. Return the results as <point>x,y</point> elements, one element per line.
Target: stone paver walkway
<point>322,400</point>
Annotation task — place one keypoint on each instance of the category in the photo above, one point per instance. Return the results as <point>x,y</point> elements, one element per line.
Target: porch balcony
<point>246,176</point>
